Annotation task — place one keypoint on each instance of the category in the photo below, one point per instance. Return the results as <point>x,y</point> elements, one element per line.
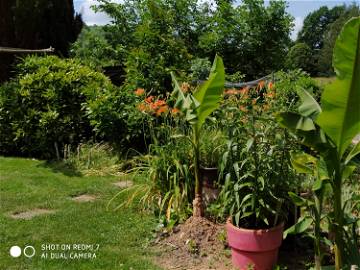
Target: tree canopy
<point>37,24</point>
<point>155,37</point>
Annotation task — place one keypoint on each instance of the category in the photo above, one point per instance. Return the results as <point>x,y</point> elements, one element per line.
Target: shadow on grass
<point>61,167</point>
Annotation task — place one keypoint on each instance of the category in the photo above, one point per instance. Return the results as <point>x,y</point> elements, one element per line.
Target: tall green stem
<point>256,162</point>
<point>339,219</point>
<point>197,203</point>
<point>318,211</point>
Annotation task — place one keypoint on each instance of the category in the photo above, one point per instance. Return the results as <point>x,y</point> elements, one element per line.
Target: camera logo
<point>29,251</point>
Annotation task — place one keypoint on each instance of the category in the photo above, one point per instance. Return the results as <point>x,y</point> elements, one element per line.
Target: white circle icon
<point>29,251</point>
<point>15,251</point>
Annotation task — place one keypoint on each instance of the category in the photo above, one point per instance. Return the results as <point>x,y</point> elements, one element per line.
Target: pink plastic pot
<point>256,248</point>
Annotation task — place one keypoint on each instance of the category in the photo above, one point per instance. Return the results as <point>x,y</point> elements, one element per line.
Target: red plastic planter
<point>256,248</point>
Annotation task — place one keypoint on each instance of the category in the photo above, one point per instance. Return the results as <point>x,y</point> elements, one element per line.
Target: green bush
<point>45,107</point>
<point>301,56</point>
<point>115,118</point>
<point>287,84</point>
<point>255,167</point>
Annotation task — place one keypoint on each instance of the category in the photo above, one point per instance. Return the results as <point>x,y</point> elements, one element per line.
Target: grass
<point>27,184</point>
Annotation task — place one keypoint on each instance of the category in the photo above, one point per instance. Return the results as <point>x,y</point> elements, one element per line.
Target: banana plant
<point>330,128</point>
<point>196,108</point>
<point>316,167</point>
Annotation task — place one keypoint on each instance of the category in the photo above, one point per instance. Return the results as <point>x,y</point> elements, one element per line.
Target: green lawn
<point>27,184</point>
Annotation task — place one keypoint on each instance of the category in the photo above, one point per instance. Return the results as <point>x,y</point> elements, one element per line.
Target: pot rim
<point>277,227</point>
<point>208,168</point>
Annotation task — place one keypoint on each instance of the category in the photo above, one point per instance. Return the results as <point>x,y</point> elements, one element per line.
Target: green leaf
<point>353,153</point>
<point>317,185</point>
<point>297,200</point>
<point>309,106</point>
<point>185,103</point>
<point>323,169</point>
<point>311,134</point>
<point>302,162</point>
<point>209,94</point>
<point>340,116</point>
<point>347,171</point>
<point>295,122</point>
<point>301,226</point>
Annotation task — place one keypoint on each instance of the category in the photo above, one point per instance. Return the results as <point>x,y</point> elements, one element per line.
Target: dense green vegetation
<point>172,117</point>
<point>152,38</point>
<point>34,24</point>
<point>319,33</point>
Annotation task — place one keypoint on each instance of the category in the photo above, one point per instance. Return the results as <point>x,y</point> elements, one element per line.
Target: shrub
<point>255,167</point>
<point>115,117</point>
<point>44,108</point>
<point>10,113</point>
<point>287,84</point>
<point>300,56</point>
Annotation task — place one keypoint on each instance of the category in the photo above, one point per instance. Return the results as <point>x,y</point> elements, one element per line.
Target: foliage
<point>200,68</point>
<point>115,118</point>
<point>333,30</point>
<point>319,32</point>
<point>171,180</point>
<point>213,144</point>
<point>255,165</point>
<point>251,38</point>
<point>315,26</point>
<point>314,205</point>
<point>44,108</point>
<point>167,166</point>
<point>92,159</point>
<point>287,84</point>
<point>329,129</point>
<point>196,108</point>
<point>151,50</point>
<point>93,49</point>
<point>153,38</point>
<point>34,24</point>
<point>300,56</point>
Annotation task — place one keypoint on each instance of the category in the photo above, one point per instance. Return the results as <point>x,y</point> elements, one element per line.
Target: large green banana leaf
<point>199,106</point>
<point>209,94</point>
<point>340,103</point>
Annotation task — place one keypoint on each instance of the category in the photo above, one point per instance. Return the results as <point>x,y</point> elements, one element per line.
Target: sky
<point>298,8</point>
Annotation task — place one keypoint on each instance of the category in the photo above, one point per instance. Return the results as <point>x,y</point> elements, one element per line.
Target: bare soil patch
<point>198,244</point>
<point>27,215</point>
<point>124,184</point>
<point>84,198</point>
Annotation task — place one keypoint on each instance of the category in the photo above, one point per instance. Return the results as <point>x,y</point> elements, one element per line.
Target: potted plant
<point>196,108</point>
<point>212,146</point>
<point>256,172</point>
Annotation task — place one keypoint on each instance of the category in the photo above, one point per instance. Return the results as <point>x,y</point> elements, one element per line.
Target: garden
<point>184,135</point>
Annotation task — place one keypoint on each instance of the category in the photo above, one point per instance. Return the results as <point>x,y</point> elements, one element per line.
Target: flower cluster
<point>153,105</point>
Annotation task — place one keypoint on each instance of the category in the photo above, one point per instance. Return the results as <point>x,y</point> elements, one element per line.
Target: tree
<point>300,56</point>
<point>159,36</point>
<point>324,65</point>
<point>37,24</point>
<point>315,26</point>
<point>93,49</point>
<point>252,38</point>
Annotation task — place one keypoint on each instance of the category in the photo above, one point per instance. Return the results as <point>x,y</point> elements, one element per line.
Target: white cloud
<point>90,17</point>
<point>299,22</point>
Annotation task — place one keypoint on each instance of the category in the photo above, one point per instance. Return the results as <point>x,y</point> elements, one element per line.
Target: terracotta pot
<point>257,248</point>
